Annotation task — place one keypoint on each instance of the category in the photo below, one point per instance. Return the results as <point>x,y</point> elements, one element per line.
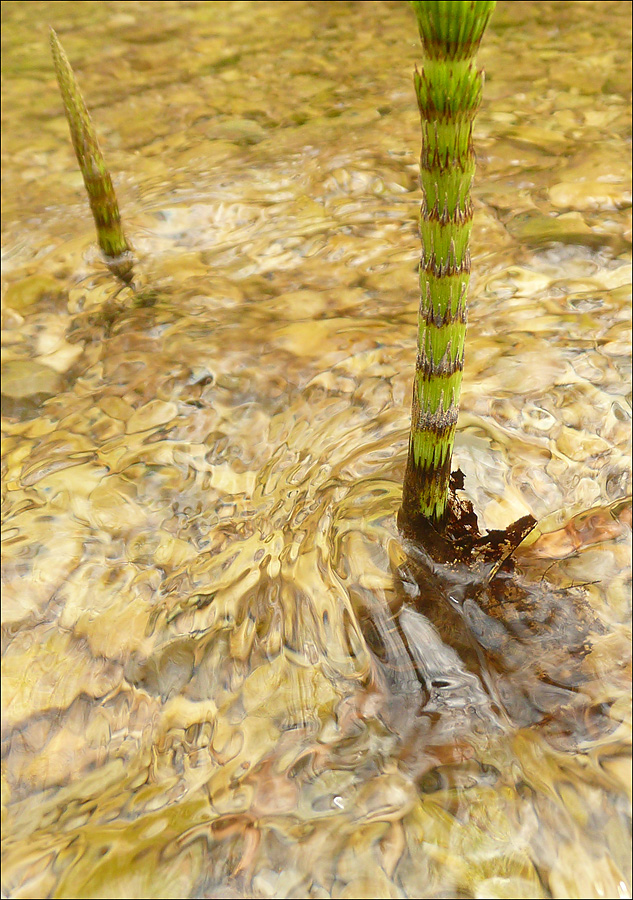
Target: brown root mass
<point>524,641</point>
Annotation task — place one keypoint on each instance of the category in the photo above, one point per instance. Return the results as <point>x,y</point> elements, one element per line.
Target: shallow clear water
<point>216,679</point>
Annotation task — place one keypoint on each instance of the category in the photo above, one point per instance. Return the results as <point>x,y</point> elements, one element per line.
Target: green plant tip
<point>103,202</point>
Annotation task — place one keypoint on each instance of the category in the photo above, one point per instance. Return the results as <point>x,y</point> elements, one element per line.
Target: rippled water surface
<point>219,677</point>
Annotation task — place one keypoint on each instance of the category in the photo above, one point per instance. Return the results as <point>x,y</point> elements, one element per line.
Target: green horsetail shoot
<point>103,202</point>
<point>448,91</point>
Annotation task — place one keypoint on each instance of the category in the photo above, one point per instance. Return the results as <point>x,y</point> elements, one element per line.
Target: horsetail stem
<point>448,91</point>
<point>103,202</point>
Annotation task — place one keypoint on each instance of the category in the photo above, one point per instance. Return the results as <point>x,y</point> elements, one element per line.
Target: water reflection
<point>221,677</point>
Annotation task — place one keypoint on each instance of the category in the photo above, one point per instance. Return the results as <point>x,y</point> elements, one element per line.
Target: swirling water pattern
<point>219,679</point>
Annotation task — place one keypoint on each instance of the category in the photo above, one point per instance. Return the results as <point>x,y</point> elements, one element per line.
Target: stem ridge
<point>448,90</point>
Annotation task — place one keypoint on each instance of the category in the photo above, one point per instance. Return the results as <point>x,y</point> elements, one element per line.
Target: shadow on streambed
<point>490,649</point>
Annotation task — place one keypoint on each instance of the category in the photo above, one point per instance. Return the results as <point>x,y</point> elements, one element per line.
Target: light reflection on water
<point>218,679</point>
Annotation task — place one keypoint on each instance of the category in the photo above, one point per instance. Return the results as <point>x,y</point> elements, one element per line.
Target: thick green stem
<point>103,202</point>
<point>448,91</point>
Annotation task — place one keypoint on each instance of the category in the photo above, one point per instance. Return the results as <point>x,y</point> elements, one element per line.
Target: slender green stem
<point>448,91</point>
<point>103,202</point>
